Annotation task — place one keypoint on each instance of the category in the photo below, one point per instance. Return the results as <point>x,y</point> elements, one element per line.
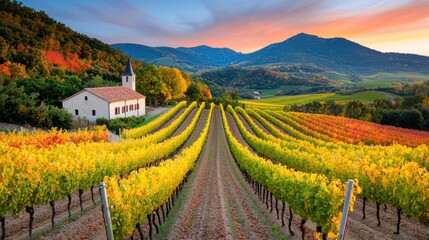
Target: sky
<point>246,25</point>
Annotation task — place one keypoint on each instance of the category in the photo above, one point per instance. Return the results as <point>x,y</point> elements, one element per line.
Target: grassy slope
<point>381,79</point>
<point>278,102</point>
<point>389,79</point>
<point>339,77</point>
<point>147,120</point>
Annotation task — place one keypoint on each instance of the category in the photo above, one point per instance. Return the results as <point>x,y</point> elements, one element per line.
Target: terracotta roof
<point>115,94</point>
<point>128,69</point>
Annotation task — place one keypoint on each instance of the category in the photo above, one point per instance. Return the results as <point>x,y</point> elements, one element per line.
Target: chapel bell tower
<point>129,77</point>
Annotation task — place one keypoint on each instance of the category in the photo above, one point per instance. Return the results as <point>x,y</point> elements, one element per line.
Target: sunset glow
<point>246,26</point>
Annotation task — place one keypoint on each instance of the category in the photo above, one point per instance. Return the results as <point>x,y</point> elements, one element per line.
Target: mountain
<point>188,59</point>
<point>337,54</point>
<point>34,45</point>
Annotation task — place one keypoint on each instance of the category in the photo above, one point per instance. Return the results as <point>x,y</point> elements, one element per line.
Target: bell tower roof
<point>128,69</point>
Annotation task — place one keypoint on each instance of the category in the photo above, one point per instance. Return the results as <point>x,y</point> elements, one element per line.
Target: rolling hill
<point>338,54</point>
<point>189,59</point>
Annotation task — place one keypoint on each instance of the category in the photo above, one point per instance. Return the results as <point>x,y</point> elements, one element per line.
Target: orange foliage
<point>72,62</point>
<point>206,93</point>
<point>4,69</point>
<point>104,64</point>
<point>72,56</point>
<point>56,58</point>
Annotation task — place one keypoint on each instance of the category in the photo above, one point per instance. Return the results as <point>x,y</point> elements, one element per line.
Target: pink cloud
<point>254,30</point>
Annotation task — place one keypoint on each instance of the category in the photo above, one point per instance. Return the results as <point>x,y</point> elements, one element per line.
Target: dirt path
<point>14,127</point>
<point>18,228</point>
<point>198,128</point>
<point>218,203</point>
<point>185,122</point>
<point>168,122</point>
<point>246,124</point>
<point>154,111</point>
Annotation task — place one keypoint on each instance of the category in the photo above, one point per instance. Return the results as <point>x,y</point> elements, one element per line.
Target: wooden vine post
<point>106,212</point>
<point>346,209</point>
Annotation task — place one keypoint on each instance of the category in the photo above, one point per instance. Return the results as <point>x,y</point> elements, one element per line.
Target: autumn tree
<point>198,92</point>
<point>4,47</point>
<point>17,70</point>
<point>357,110</point>
<point>175,84</point>
<point>148,83</point>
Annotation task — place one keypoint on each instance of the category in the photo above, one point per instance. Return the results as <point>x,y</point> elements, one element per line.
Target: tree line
<point>38,101</point>
<point>409,111</point>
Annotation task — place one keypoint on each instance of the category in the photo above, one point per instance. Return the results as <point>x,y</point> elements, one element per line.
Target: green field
<point>381,79</point>
<point>147,120</point>
<point>266,93</point>
<point>339,77</point>
<point>391,79</point>
<point>278,102</point>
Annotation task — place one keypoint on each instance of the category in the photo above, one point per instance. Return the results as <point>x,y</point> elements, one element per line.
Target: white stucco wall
<point>140,112</point>
<point>102,107</point>
<point>85,107</point>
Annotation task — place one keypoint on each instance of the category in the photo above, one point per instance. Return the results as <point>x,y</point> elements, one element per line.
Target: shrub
<point>80,123</point>
<point>411,118</point>
<point>59,118</point>
<point>102,121</point>
<point>124,123</point>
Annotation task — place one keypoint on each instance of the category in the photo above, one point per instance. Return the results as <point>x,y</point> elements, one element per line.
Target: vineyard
<point>211,171</point>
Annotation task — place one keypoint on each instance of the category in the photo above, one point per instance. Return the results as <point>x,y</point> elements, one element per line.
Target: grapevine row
<point>43,139</point>
<point>263,118</point>
<point>166,131</point>
<point>141,131</point>
<point>355,131</point>
<point>358,129</point>
<point>134,199</point>
<point>397,154</point>
<point>293,137</point>
<point>36,176</point>
<point>312,196</point>
<point>403,186</point>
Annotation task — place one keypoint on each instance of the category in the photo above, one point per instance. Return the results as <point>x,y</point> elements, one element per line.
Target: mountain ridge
<point>339,54</point>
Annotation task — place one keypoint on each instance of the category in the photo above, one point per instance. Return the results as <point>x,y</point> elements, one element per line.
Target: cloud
<point>243,25</point>
<point>258,26</point>
<point>255,23</point>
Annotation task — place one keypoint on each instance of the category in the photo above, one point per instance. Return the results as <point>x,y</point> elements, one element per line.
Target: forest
<point>43,62</point>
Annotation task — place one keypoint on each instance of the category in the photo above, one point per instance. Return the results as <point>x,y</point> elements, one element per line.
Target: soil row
<point>218,203</point>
